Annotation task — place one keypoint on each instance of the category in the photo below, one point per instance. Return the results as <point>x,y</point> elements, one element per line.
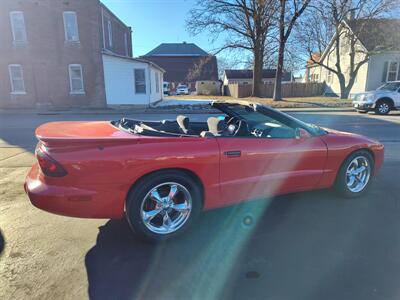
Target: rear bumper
<point>93,201</point>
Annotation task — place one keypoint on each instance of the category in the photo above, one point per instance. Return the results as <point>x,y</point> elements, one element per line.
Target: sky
<point>157,21</point>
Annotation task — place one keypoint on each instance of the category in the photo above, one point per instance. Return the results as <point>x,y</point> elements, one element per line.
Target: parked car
<point>182,90</point>
<point>166,88</point>
<point>382,100</point>
<point>162,174</point>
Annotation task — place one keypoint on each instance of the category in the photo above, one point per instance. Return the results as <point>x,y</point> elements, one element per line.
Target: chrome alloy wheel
<point>383,108</point>
<point>358,174</point>
<point>166,208</point>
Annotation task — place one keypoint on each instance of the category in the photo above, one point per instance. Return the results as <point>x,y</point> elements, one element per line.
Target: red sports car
<point>162,174</point>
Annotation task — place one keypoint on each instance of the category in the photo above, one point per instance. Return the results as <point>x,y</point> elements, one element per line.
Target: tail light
<point>49,166</point>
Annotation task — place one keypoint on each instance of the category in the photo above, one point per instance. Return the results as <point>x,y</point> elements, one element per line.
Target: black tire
<point>144,186</point>
<point>341,187</point>
<point>362,111</point>
<point>383,107</point>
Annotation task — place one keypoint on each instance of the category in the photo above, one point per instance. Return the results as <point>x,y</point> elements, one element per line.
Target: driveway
<point>302,246</point>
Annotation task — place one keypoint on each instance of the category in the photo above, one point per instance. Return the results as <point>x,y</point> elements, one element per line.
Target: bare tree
<point>333,29</point>
<point>244,23</point>
<point>289,12</point>
<point>200,69</point>
<point>226,63</point>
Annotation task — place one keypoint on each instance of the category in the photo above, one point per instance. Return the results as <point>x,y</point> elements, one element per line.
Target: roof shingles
<point>177,49</point>
<point>377,34</point>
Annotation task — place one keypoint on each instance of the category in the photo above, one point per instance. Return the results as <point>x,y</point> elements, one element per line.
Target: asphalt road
<point>302,246</point>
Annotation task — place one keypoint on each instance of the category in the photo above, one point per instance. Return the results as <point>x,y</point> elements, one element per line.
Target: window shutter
<point>385,70</point>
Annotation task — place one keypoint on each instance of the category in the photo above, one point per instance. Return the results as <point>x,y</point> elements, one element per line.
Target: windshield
<point>391,86</point>
<point>260,116</point>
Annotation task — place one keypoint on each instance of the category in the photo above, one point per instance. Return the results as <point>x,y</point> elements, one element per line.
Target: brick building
<point>184,63</point>
<point>51,52</point>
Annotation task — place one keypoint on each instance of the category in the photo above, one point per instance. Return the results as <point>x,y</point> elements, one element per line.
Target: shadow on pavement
<point>302,246</point>
<point>121,266</point>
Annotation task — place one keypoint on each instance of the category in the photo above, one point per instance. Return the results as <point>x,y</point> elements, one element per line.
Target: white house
<point>131,80</point>
<point>377,39</point>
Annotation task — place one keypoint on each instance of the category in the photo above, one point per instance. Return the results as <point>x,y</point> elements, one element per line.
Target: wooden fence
<point>292,89</point>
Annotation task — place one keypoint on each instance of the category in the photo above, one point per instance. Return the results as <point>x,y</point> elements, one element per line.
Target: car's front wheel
<point>163,205</point>
<point>383,107</point>
<point>355,174</point>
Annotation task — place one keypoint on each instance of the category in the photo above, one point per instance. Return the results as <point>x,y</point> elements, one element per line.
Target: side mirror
<point>301,134</point>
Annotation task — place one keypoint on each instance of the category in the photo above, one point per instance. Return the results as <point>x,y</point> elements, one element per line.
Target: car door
<point>253,167</point>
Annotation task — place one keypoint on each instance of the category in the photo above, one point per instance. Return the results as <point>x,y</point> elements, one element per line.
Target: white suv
<point>382,100</point>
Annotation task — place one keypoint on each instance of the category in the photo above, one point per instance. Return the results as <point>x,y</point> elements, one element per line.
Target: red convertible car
<point>162,174</point>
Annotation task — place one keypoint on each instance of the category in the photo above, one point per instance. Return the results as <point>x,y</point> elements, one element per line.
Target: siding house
<point>377,39</point>
<point>51,53</point>
<point>132,80</point>
<point>184,63</point>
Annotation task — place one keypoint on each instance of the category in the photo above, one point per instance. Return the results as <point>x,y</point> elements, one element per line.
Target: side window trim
<point>14,91</point>
<point>75,35</point>
<point>389,71</point>
<point>71,79</point>
<point>13,19</point>
<point>141,82</point>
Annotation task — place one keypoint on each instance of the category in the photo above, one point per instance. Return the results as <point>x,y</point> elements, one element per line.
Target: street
<point>309,246</point>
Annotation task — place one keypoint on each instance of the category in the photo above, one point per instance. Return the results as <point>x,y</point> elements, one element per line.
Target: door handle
<point>235,153</point>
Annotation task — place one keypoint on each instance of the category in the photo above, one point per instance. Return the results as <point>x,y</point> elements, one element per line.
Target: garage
<point>131,81</point>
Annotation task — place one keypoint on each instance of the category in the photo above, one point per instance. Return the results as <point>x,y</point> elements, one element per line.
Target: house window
<point>71,26</point>
<point>140,81</point>
<point>329,77</point>
<point>18,26</point>
<point>126,43</point>
<point>392,71</point>
<point>76,79</point>
<point>16,79</point>
<point>157,82</point>
<point>110,36</point>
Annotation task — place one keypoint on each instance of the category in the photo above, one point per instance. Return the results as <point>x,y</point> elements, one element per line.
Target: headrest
<point>183,122</point>
<point>215,125</point>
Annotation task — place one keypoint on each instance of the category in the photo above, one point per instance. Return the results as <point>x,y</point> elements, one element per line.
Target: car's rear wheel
<point>355,174</point>
<point>163,205</point>
<point>383,107</point>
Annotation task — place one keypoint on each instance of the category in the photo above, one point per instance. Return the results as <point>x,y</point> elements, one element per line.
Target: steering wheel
<point>236,125</point>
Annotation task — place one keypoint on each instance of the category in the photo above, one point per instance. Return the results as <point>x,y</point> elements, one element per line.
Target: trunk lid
<point>81,131</point>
